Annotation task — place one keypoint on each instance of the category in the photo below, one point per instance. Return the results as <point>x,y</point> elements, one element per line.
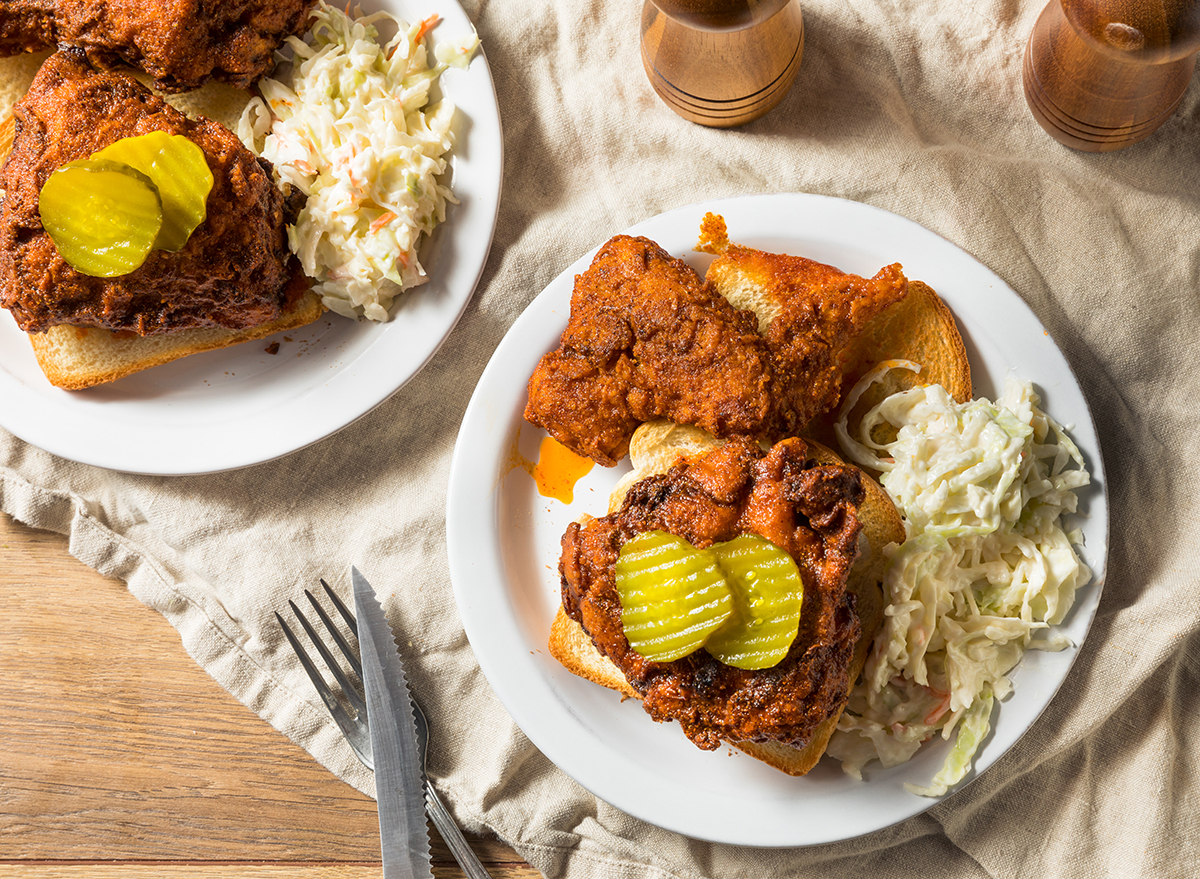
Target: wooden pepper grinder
<point>722,62</point>
<point>1103,74</point>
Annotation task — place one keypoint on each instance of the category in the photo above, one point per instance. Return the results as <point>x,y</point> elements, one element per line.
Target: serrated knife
<point>399,776</point>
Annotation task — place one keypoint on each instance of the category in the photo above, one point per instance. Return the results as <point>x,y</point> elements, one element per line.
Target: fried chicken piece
<point>181,43</point>
<point>235,271</point>
<point>648,338</point>
<point>806,508</point>
<point>809,313</point>
<point>752,350</point>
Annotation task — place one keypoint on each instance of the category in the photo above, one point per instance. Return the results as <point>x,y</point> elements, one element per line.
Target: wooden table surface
<point>119,756</point>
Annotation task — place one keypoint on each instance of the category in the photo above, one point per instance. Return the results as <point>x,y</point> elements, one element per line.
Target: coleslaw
<point>985,569</point>
<point>353,130</point>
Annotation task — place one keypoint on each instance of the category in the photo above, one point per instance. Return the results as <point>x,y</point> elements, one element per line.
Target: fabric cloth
<point>914,106</point>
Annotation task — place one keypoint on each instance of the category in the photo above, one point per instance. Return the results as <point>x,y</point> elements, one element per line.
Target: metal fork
<point>355,727</point>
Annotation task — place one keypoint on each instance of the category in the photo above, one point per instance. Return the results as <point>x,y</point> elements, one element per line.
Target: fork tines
<point>354,728</point>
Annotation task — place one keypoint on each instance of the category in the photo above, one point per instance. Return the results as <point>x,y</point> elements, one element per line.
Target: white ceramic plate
<point>239,406</point>
<point>504,543</point>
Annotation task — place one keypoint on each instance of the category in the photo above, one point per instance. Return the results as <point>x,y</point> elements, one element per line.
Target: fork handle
<point>451,835</point>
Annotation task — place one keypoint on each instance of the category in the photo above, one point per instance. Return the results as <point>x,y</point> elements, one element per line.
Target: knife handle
<point>451,835</point>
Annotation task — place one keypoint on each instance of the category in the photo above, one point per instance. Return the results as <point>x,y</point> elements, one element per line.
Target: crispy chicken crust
<point>648,338</point>
<point>181,43</point>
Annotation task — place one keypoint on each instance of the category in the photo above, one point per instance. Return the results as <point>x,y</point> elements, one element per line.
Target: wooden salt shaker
<point>722,63</point>
<point>1103,74</point>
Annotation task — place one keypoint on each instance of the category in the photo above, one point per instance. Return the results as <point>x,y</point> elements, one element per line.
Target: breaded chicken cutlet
<point>648,338</point>
<point>236,269</point>
<point>181,43</point>
<point>808,509</point>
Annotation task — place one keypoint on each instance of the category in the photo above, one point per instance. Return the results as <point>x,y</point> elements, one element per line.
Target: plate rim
<point>465,548</point>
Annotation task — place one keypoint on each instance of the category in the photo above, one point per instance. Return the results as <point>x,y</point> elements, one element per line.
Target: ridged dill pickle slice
<point>177,167</point>
<point>673,596</point>
<point>767,595</point>
<point>102,216</point>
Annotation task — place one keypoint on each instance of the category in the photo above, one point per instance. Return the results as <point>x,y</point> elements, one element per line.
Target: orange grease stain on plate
<point>557,470</point>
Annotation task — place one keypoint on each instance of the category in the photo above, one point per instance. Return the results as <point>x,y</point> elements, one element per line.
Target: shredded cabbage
<point>985,565</point>
<point>352,131</point>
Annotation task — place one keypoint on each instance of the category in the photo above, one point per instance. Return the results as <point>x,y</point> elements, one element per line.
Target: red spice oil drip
<point>557,470</point>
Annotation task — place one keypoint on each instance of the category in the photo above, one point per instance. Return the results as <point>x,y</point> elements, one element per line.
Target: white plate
<point>241,405</point>
<point>504,540</point>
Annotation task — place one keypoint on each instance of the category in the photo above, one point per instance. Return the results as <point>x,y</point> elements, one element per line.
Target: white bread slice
<point>74,358</point>
<point>655,446</point>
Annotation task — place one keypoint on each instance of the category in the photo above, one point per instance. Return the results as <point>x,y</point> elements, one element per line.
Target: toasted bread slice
<point>74,358</point>
<point>921,329</point>
<point>655,446</point>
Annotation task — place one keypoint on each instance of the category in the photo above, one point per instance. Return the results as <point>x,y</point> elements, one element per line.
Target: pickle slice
<point>178,169</point>
<point>673,596</point>
<point>767,595</point>
<point>102,216</point>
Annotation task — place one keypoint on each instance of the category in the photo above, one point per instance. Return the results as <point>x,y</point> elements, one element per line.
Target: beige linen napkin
<point>914,106</point>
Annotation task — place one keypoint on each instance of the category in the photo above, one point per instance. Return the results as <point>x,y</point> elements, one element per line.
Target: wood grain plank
<point>118,755</point>
<point>238,870</point>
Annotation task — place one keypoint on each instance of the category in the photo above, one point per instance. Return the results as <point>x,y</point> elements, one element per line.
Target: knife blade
<point>399,776</point>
